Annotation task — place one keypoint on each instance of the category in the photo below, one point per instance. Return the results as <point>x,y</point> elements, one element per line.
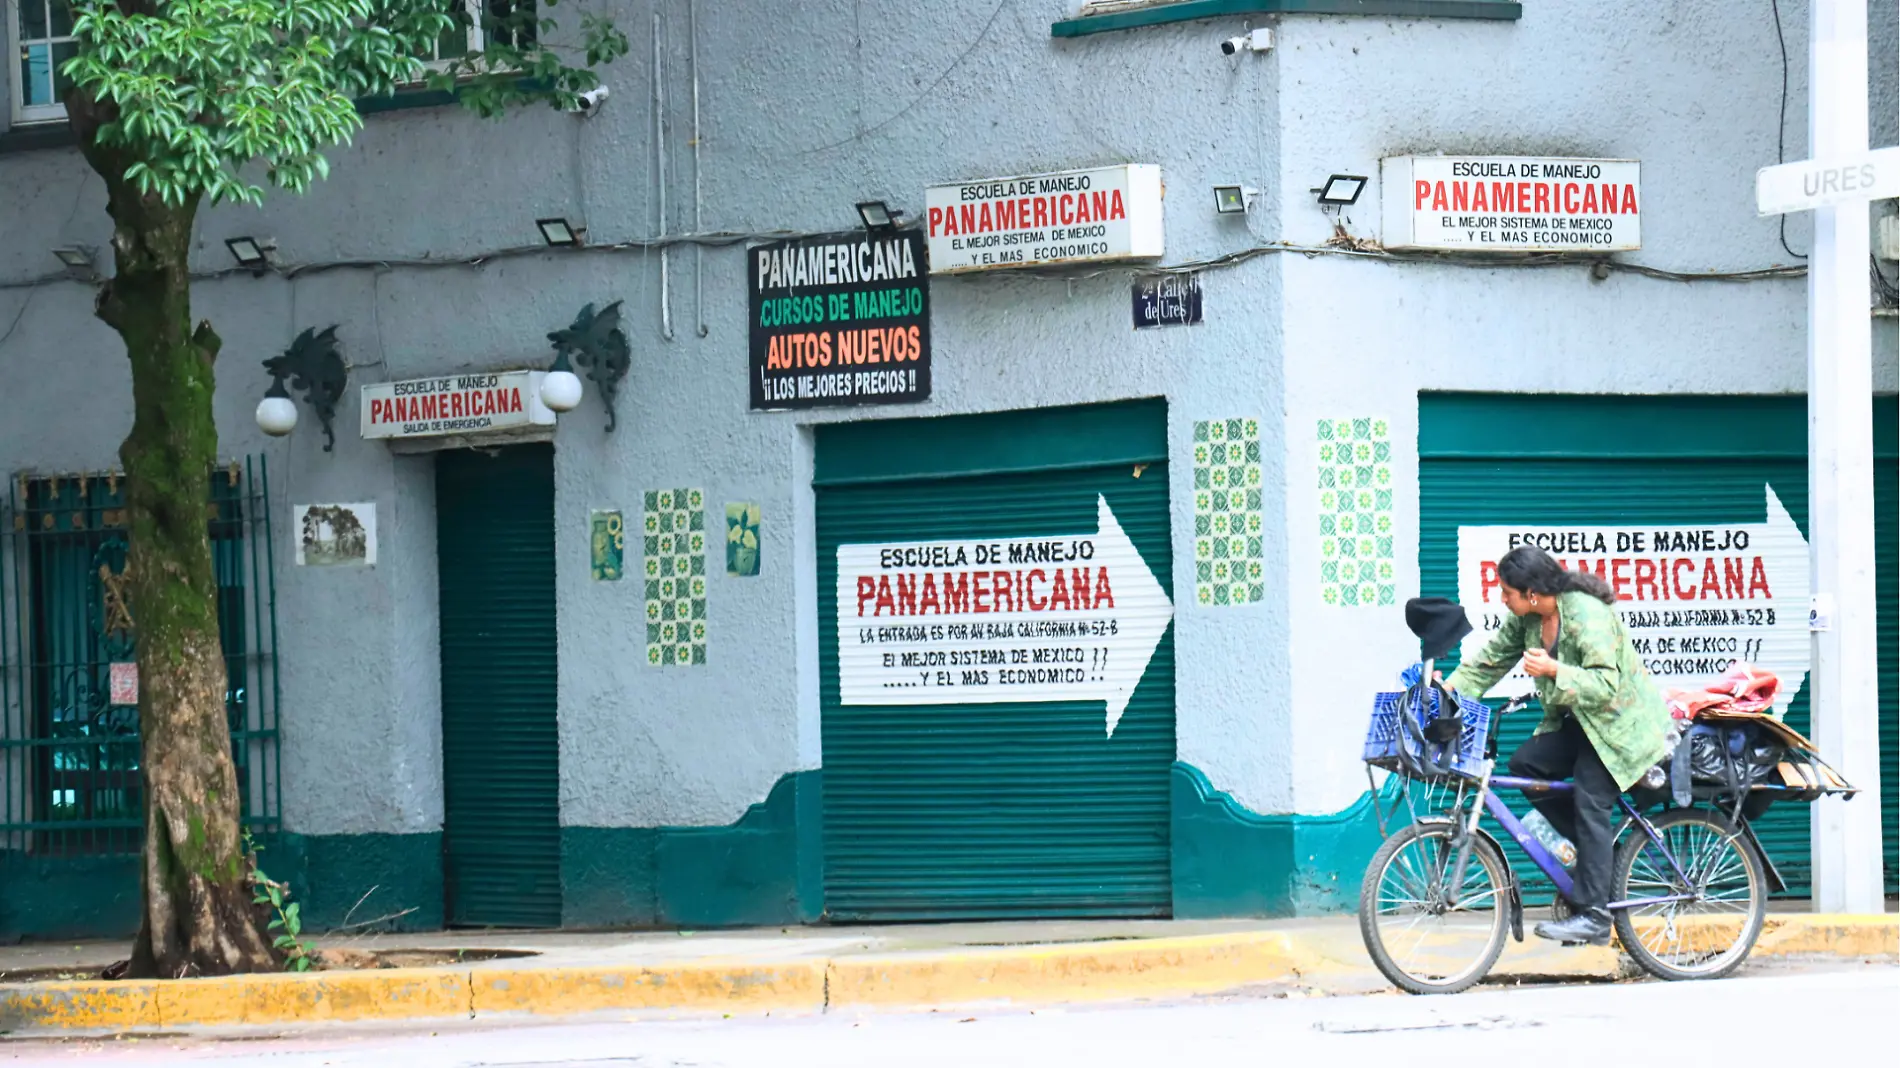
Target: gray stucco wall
<point>1691,90</point>
<point>802,116</point>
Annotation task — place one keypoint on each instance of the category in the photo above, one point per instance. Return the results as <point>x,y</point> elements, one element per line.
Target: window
<point>467,35</point>
<point>41,30</point>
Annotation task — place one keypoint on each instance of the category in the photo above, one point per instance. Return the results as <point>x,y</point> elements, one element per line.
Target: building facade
<point>653,664</point>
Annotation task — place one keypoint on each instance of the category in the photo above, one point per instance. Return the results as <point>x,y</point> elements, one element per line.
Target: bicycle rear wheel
<point>1709,935</point>
<point>1423,937</point>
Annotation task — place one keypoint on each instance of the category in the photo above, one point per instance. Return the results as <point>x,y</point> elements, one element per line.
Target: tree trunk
<point>197,916</point>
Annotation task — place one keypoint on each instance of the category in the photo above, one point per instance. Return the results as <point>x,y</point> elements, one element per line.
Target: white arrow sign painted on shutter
<point>1068,618</point>
<point>1696,599</point>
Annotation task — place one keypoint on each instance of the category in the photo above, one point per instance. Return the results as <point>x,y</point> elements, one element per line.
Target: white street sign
<point>1065,618</point>
<point>1696,599</point>
<point>1818,183</point>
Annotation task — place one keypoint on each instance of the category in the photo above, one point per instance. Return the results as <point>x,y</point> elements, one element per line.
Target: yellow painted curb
<point>1795,935</point>
<point>1039,974</point>
<point>701,985</point>
<point>1069,973</point>
<point>80,1005</point>
<point>392,994</point>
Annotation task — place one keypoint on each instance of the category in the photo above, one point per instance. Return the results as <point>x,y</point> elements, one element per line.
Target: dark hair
<point>1531,570</point>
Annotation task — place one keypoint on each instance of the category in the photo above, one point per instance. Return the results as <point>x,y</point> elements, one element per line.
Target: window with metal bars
<point>70,781</point>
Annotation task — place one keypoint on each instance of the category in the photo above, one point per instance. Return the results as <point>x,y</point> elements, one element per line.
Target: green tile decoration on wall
<point>1356,568</point>
<point>608,541</point>
<point>675,563</point>
<point>1229,560</point>
<point>742,539</point>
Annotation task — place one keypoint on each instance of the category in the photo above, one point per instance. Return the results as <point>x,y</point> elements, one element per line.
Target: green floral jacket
<point>1600,680</point>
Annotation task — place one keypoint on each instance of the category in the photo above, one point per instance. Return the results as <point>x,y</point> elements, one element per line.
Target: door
<point>995,808</point>
<point>1552,463</point>
<point>500,745</point>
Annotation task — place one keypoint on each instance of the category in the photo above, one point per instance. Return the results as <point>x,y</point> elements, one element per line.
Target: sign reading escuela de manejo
<point>1696,599</point>
<point>842,319</point>
<point>1072,617</point>
<point>1106,213</point>
<point>1512,204</point>
<point>454,404</point>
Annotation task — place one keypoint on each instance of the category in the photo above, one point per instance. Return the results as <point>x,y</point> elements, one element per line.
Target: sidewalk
<point>806,969</point>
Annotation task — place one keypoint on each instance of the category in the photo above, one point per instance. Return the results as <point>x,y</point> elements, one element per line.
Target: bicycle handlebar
<point>1515,704</point>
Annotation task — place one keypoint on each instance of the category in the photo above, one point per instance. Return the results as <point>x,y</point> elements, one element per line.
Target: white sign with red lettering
<point>125,683</point>
<point>1696,599</point>
<point>1512,204</point>
<point>1070,618</point>
<point>1108,213</point>
<point>454,404</point>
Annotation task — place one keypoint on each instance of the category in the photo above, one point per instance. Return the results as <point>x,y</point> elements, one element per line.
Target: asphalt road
<point>1774,1014</point>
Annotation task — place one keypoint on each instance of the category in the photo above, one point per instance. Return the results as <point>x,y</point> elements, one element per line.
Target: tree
<point>176,103</point>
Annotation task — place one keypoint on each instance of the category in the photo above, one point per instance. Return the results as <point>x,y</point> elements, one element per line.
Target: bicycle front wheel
<point>1424,936</point>
<point>1720,892</point>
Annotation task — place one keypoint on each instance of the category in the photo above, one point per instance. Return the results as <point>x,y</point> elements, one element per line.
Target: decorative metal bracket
<point>313,364</point>
<point>597,343</point>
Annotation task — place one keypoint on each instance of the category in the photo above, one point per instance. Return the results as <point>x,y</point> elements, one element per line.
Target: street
<point>1776,1013</point>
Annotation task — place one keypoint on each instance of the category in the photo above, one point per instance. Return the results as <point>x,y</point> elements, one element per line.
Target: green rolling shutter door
<point>995,810</point>
<point>1601,461</point>
<point>500,746</point>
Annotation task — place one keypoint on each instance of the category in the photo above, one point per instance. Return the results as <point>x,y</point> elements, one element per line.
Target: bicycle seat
<point>1439,623</point>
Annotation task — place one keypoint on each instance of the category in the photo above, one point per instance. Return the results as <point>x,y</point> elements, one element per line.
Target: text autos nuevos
<point>838,320</point>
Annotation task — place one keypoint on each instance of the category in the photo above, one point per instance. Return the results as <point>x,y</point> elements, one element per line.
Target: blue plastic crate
<point>1382,736</point>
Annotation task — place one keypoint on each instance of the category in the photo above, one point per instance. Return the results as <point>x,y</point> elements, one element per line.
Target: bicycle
<point>1690,887</point>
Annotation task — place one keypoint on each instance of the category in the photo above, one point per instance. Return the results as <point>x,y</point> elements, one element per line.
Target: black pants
<point>1584,815</point>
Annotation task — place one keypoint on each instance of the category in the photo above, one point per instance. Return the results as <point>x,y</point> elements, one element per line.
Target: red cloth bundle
<point>1743,688</point>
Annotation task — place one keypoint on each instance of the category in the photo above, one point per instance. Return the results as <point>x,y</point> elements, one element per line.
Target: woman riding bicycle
<point>1604,721</point>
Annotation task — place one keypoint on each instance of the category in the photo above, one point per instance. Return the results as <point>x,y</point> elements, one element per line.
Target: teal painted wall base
<point>1230,861</point>
<point>360,882</point>
<point>63,898</point>
<point>764,869</point>
<point>381,882</point>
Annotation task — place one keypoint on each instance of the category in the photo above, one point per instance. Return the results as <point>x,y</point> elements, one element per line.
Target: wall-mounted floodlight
<point>77,258</point>
<point>878,215</point>
<point>1233,199</point>
<point>558,234</point>
<point>1342,189</point>
<point>248,252</point>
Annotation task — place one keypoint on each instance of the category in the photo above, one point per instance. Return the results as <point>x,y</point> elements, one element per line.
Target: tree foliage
<point>176,103</point>
<point>198,95</point>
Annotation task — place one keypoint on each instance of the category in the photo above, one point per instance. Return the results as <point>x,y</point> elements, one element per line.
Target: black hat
<point>1439,623</point>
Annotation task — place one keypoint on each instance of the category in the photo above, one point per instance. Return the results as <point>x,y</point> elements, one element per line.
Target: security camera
<point>1260,40</point>
<point>590,102</point>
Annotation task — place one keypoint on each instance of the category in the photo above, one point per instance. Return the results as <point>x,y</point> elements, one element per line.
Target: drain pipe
<point>659,147</point>
<point>699,250</point>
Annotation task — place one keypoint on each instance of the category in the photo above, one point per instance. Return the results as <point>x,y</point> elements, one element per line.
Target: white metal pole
<point>1844,681</point>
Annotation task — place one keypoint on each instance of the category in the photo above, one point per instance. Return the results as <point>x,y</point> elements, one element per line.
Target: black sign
<point>1167,300</point>
<point>840,319</point>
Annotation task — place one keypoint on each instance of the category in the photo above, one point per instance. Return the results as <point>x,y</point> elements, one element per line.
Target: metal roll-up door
<point>1607,461</point>
<point>500,745</point>
<point>995,810</point>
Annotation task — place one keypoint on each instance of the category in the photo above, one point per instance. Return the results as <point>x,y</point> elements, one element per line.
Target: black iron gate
<point>70,782</point>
